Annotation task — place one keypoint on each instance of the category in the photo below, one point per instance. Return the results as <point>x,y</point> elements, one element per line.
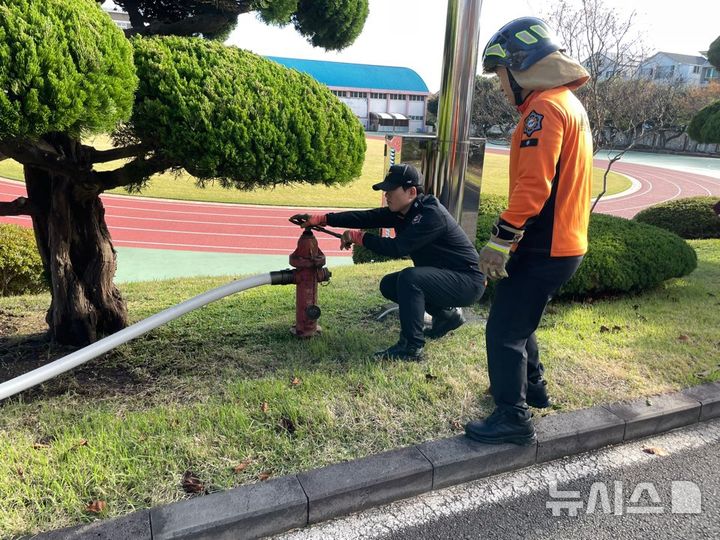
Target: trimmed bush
<point>363,255</point>
<point>693,217</point>
<point>21,270</point>
<point>623,255</point>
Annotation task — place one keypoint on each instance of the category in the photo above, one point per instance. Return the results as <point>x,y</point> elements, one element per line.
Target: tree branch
<point>21,206</point>
<point>205,23</point>
<point>104,156</point>
<point>41,156</point>
<point>132,173</point>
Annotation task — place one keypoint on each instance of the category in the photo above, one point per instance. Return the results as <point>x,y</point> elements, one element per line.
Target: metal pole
<point>458,80</point>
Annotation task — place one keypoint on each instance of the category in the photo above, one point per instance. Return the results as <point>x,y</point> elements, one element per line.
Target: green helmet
<point>519,44</point>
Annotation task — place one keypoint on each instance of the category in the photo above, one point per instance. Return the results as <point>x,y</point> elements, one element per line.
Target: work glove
<point>496,253</point>
<point>311,220</point>
<point>351,237</point>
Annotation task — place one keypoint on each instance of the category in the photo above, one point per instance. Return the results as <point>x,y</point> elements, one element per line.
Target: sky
<point>410,33</point>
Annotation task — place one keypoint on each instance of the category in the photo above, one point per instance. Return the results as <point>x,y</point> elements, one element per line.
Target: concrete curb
<point>281,504</point>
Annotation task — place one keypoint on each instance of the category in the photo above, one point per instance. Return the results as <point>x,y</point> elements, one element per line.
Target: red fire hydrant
<point>309,262</point>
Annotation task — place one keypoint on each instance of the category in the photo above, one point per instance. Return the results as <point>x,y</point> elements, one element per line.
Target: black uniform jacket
<point>428,234</point>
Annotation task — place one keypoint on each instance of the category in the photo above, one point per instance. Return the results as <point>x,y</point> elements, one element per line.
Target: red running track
<point>232,228</point>
<point>191,226</point>
<point>656,185</point>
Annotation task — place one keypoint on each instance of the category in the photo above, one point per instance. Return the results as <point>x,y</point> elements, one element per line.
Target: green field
<point>229,394</point>
<point>359,194</point>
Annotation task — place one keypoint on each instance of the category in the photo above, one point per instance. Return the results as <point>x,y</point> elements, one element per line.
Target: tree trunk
<point>79,258</point>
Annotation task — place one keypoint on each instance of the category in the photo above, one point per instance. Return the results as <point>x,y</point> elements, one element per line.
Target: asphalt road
<point>515,505</point>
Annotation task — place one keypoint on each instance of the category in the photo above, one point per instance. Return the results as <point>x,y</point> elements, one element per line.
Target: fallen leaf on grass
<point>683,338</point>
<point>456,425</point>
<point>655,450</point>
<point>20,472</point>
<point>191,483</point>
<point>81,442</point>
<point>242,466</point>
<point>40,446</point>
<point>264,407</point>
<point>96,507</point>
<point>264,476</point>
<point>296,381</point>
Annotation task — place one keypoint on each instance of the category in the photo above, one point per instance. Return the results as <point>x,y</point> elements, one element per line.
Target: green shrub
<point>693,217</point>
<point>21,270</point>
<point>623,256</point>
<point>363,255</point>
<point>626,256</point>
<point>491,206</point>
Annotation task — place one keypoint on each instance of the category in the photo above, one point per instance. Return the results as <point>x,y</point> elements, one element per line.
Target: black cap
<point>400,175</point>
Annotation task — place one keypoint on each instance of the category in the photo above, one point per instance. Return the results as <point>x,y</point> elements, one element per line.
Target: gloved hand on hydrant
<point>350,237</point>
<point>496,253</point>
<point>310,220</point>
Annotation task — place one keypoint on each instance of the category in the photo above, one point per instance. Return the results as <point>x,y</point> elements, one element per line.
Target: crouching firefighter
<point>446,275</point>
<point>539,241</point>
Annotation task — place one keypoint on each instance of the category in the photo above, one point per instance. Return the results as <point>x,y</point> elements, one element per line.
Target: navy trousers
<point>426,288</point>
<point>518,306</point>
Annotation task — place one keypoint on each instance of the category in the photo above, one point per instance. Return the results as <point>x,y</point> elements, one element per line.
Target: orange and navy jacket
<point>551,161</point>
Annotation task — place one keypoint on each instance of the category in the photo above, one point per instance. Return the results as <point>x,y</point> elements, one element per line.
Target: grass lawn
<point>228,393</point>
<point>359,194</point>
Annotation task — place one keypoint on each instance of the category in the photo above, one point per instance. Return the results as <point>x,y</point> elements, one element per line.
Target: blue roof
<point>357,75</point>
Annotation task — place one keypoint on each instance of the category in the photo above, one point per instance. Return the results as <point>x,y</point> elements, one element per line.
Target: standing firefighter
<point>538,243</point>
<point>446,272</point>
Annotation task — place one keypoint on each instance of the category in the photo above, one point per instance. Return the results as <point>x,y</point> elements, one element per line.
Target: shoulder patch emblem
<point>416,219</point>
<point>533,123</point>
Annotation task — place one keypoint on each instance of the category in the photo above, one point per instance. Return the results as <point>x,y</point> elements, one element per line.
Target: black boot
<point>400,351</point>
<point>502,427</point>
<point>444,323</point>
<point>537,395</point>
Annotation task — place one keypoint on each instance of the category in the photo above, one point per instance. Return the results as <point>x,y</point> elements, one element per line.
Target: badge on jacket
<point>533,123</point>
<point>416,219</point>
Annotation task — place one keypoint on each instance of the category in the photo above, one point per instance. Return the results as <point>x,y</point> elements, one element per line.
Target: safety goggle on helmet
<point>519,44</point>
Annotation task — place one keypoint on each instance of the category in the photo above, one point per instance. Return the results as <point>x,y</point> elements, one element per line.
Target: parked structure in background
<point>381,97</point>
<point>662,67</point>
<point>665,67</point>
<point>119,17</point>
<point>603,67</point>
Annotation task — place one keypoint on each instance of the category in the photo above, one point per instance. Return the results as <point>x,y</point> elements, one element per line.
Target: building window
<point>665,72</point>
<point>413,117</point>
<point>358,94</point>
<point>339,93</point>
<point>397,97</point>
<point>696,69</point>
<point>417,98</point>
<point>376,95</point>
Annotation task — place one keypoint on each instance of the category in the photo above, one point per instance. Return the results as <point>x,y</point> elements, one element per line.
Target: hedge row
<point>624,256</point>
<point>694,217</point>
<point>21,270</point>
